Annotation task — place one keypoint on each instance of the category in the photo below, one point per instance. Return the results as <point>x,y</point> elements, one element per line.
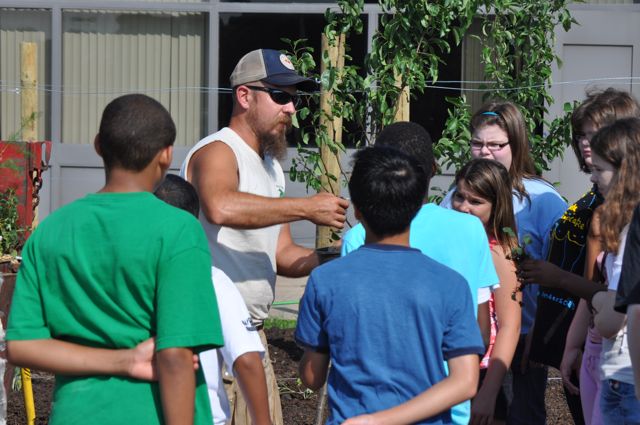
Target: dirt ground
<point>298,405</point>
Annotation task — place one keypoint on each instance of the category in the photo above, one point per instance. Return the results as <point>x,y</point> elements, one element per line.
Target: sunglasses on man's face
<point>281,97</point>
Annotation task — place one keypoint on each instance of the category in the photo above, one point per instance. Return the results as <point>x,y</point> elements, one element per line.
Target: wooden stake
<point>402,107</point>
<point>28,92</point>
<point>29,99</point>
<point>330,160</point>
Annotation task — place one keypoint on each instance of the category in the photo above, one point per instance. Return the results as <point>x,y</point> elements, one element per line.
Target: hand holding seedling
<point>517,255</point>
<point>327,209</point>
<point>542,272</point>
<point>547,274</point>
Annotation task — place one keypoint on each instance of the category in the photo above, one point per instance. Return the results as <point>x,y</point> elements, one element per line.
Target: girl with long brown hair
<point>483,189</point>
<point>616,172</point>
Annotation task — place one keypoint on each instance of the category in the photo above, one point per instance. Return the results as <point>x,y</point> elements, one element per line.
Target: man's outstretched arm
<point>213,170</point>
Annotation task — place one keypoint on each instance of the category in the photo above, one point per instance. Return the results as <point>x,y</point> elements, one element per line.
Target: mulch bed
<point>43,384</point>
<point>298,405</point>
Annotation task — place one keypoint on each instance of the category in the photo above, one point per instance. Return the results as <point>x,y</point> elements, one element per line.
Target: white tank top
<point>247,256</point>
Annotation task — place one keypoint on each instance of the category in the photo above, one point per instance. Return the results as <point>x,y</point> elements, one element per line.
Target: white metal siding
<point>107,54</point>
<point>17,27</point>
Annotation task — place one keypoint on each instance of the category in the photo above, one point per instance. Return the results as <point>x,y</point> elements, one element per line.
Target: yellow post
<point>330,160</point>
<point>402,107</point>
<point>27,391</point>
<point>29,116</point>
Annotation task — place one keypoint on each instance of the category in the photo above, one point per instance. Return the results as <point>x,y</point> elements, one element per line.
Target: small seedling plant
<point>518,254</point>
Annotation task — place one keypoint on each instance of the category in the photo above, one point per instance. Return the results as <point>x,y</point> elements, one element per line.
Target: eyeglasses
<point>280,97</point>
<point>493,147</point>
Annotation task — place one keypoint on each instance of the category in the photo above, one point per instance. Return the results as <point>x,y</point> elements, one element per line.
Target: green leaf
<point>509,231</point>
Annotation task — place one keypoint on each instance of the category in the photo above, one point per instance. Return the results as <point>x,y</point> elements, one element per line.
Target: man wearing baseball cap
<point>241,187</point>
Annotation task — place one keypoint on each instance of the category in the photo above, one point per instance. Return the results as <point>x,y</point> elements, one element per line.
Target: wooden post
<point>28,92</point>
<point>330,160</point>
<point>29,99</point>
<point>29,126</point>
<point>402,107</point>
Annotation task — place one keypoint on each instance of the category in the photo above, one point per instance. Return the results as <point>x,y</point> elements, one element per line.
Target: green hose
<point>291,302</point>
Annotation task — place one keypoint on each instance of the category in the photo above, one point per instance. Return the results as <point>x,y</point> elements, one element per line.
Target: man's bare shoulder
<point>214,149</point>
<point>215,156</point>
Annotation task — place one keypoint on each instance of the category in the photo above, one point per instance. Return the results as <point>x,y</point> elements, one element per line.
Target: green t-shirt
<point>110,270</point>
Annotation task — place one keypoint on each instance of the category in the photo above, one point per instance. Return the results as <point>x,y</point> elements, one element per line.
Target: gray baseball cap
<point>272,67</point>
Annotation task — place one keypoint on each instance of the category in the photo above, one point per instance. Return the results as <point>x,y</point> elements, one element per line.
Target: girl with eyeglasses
<point>499,132</point>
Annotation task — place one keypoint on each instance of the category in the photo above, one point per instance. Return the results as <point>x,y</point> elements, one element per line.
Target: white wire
<point>14,87</point>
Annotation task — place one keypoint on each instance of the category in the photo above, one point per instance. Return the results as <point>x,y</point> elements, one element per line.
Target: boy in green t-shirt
<point>111,270</point>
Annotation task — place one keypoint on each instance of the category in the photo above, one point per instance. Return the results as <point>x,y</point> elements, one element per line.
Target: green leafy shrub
<point>12,234</point>
<point>517,51</point>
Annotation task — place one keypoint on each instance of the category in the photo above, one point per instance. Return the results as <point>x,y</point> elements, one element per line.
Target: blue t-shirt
<point>389,317</point>
<point>534,218</point>
<point>456,240</point>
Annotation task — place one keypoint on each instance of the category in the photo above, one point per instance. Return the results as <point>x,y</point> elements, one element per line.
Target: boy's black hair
<point>133,129</point>
<point>180,193</point>
<point>412,139</point>
<point>388,188</point>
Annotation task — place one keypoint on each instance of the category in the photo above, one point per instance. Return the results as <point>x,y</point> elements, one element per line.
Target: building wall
<point>601,52</point>
<point>181,52</point>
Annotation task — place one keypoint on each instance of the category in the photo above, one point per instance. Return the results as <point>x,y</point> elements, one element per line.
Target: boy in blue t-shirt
<point>451,238</point>
<point>387,316</point>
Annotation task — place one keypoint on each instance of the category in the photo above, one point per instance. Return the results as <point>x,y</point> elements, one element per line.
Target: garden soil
<point>298,405</point>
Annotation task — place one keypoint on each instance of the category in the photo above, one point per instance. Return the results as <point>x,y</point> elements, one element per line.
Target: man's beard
<point>275,144</point>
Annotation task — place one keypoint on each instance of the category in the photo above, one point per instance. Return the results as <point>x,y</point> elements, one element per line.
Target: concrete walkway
<point>288,289</point>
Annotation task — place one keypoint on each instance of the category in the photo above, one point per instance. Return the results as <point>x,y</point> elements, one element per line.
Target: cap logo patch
<point>284,59</point>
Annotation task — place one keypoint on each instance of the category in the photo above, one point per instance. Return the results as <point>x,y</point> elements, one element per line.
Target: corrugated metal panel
<point>187,71</point>
<point>151,1</point>
<point>16,27</point>
<point>106,54</point>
